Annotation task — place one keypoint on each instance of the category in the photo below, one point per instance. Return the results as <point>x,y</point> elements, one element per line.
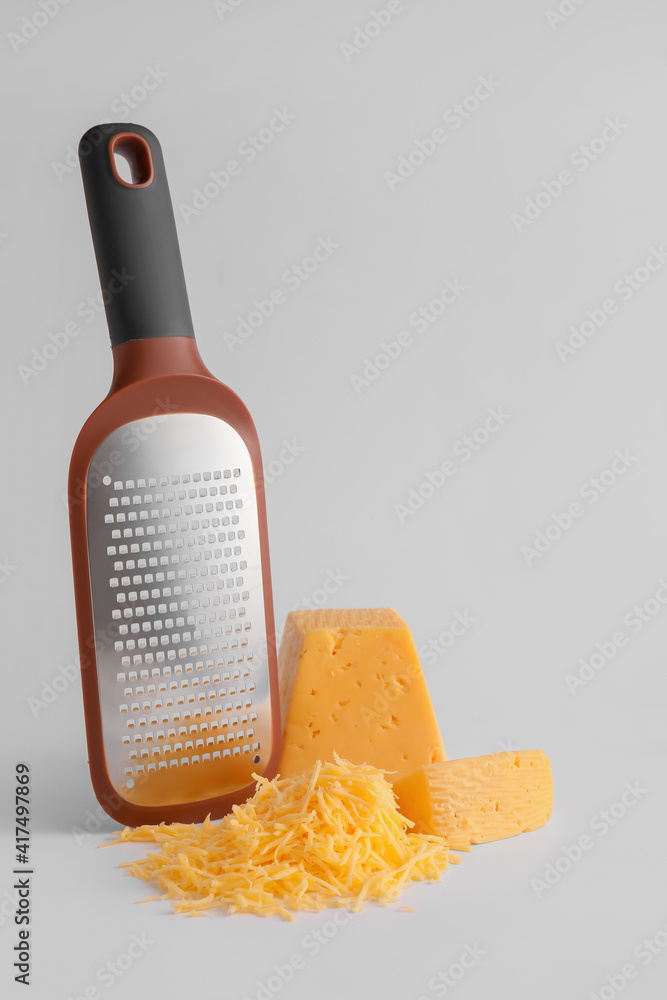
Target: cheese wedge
<point>351,684</point>
<point>478,799</point>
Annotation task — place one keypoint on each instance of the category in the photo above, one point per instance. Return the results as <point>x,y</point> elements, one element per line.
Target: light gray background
<point>331,510</point>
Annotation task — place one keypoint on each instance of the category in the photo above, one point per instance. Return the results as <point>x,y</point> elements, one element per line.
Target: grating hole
<point>171,555</point>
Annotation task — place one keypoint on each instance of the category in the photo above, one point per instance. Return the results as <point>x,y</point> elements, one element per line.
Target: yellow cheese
<point>477,799</point>
<point>351,683</point>
<point>329,838</point>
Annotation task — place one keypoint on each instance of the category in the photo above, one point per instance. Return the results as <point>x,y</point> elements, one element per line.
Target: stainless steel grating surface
<point>178,609</point>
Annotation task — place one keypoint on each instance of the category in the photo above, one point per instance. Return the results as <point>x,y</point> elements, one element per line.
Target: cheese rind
<point>478,799</point>
<point>351,684</point>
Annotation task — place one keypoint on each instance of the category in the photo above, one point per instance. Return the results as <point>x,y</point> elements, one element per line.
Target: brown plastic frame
<point>145,373</point>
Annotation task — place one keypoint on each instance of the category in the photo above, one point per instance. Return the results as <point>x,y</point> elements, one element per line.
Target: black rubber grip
<point>134,234</point>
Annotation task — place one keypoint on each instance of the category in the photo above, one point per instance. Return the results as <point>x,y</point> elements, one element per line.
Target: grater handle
<point>134,234</point>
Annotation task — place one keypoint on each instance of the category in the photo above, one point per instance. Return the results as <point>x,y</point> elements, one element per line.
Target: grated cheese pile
<point>333,837</point>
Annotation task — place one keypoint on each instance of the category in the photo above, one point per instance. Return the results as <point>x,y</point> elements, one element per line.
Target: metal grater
<point>177,587</point>
<point>174,597</point>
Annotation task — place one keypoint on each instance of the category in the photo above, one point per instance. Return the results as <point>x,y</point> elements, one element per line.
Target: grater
<point>168,527</point>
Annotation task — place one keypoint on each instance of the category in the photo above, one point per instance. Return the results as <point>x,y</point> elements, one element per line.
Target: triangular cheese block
<point>351,683</point>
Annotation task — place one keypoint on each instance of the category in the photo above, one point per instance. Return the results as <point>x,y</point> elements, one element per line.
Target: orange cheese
<point>333,837</point>
<point>477,799</point>
<point>351,684</point>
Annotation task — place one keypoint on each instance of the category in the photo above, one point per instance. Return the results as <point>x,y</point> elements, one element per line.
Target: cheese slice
<point>478,799</point>
<point>351,684</point>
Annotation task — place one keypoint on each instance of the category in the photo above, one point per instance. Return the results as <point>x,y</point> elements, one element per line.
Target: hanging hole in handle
<point>131,160</point>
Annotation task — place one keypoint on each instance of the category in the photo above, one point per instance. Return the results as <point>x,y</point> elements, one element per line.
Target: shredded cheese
<point>333,837</point>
